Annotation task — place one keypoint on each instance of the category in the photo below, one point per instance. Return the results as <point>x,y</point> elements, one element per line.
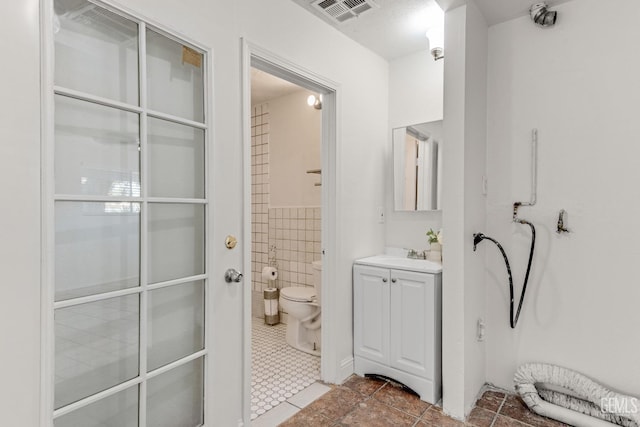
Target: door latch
<point>232,275</point>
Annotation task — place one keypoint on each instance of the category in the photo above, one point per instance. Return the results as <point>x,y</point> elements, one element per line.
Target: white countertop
<point>400,263</point>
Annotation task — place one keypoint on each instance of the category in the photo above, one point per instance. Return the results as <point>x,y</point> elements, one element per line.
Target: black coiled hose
<point>478,237</point>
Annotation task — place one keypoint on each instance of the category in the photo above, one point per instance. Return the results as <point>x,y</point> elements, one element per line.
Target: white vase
<point>435,252</point>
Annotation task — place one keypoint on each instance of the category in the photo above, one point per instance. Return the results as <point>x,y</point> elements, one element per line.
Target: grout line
<point>379,388</point>
<point>353,409</point>
<point>405,412</point>
<point>290,403</point>
<point>418,417</point>
<point>425,411</point>
<point>495,418</point>
<point>504,400</point>
<point>387,383</point>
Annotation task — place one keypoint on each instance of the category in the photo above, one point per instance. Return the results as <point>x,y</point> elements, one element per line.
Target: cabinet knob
<point>384,279</point>
<point>393,280</point>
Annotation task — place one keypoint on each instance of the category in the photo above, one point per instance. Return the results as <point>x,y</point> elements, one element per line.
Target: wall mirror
<point>417,165</point>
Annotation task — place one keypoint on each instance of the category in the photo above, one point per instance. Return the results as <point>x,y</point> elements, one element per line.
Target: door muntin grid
<point>130,209</point>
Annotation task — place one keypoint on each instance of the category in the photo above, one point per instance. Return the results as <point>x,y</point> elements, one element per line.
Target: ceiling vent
<point>343,10</point>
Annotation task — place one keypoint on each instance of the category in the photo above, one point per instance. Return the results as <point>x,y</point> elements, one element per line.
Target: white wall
<point>287,237</point>
<point>291,32</point>
<point>578,84</point>
<point>415,96</point>
<point>20,216</point>
<point>415,89</point>
<point>463,206</point>
<point>474,200</point>
<point>453,215</point>
<point>294,148</point>
<point>279,26</point>
<point>286,231</point>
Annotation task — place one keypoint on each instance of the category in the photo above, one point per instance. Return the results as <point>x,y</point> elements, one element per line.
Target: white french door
<point>126,220</point>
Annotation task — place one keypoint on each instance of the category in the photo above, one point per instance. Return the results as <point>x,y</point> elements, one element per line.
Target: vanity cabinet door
<point>371,313</point>
<point>412,317</point>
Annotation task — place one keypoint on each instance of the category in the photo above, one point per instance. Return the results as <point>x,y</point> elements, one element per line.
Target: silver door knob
<point>232,275</point>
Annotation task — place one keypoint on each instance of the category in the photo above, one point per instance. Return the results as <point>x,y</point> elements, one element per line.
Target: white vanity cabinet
<point>397,322</point>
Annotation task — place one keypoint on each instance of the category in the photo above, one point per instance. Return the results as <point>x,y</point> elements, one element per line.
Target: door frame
<point>255,56</point>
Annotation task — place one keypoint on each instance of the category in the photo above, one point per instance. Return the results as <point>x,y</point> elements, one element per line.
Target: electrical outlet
<point>480,330</point>
<point>380,215</point>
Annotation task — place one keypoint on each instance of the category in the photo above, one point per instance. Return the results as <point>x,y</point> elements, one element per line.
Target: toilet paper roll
<point>269,273</point>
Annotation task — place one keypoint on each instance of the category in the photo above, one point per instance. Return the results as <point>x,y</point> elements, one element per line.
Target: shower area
<point>286,229</point>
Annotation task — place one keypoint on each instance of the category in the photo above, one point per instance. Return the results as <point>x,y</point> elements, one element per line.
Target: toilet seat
<point>298,294</point>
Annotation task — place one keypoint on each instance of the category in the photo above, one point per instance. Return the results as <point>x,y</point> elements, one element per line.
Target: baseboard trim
<point>346,369</point>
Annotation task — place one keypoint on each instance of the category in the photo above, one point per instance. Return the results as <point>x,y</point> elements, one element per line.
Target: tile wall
<point>287,238</point>
<point>295,233</point>
<point>259,194</point>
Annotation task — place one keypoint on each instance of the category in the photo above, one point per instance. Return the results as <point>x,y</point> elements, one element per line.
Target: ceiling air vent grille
<point>343,10</point>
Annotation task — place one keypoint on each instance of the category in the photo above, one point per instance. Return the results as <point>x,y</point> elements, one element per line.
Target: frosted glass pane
<point>118,410</point>
<point>96,51</point>
<point>176,241</point>
<point>176,160</point>
<point>96,248</point>
<point>174,78</point>
<point>96,347</point>
<point>96,150</point>
<point>176,323</point>
<point>175,398</point>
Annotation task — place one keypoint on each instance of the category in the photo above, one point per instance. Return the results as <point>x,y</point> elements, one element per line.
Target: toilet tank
<point>317,278</point>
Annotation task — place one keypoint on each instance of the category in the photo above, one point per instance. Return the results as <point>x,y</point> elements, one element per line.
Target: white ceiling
<point>265,87</point>
<point>388,30</point>
<point>496,11</point>
<point>391,32</point>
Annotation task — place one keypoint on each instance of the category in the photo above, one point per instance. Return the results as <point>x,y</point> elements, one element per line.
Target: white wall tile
<point>294,231</point>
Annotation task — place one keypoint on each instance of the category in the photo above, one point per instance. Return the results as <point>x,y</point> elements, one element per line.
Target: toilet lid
<point>298,293</point>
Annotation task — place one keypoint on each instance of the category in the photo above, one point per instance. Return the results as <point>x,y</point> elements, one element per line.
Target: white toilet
<point>302,303</point>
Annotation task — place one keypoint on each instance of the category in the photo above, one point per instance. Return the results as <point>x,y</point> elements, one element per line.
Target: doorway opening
<point>286,246</point>
<point>289,223</point>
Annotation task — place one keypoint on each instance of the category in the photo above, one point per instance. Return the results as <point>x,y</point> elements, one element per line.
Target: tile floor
<point>375,403</point>
<point>96,347</point>
<point>278,370</point>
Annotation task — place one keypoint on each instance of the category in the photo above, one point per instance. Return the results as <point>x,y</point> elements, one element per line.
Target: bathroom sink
<point>400,263</point>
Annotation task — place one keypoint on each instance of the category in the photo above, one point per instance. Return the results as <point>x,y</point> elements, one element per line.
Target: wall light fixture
<point>315,102</point>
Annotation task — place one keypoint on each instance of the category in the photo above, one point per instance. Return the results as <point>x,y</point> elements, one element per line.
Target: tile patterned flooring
<point>376,403</point>
<point>285,387</point>
<point>278,370</point>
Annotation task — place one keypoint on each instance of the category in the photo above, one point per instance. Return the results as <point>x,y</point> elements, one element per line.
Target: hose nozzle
<point>477,238</point>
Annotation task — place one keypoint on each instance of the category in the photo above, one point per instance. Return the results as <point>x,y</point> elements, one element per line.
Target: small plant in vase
<point>435,245</point>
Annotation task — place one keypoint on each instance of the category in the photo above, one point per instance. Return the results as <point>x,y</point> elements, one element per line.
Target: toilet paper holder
<point>271,311</point>
<point>269,273</point>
